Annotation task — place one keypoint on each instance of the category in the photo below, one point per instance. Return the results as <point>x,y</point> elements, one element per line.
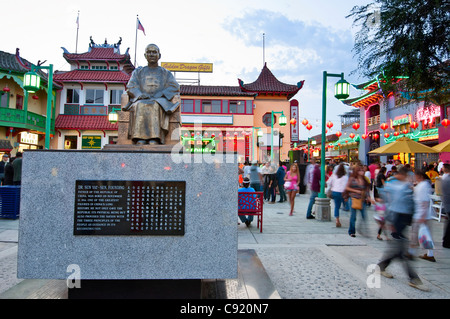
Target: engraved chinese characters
<point>129,208</point>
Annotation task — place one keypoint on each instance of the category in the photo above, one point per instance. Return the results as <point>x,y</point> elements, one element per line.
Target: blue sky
<point>302,39</point>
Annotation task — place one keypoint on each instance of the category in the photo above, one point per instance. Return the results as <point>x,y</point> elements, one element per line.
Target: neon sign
<point>427,114</point>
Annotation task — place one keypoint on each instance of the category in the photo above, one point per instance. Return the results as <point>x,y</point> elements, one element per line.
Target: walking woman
<point>292,179</point>
<point>358,189</point>
<point>337,184</point>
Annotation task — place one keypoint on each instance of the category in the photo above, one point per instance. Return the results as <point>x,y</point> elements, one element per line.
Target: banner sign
<point>91,142</point>
<point>294,115</point>
<point>188,67</point>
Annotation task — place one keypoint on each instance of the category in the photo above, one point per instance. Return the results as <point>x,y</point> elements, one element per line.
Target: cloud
<point>294,47</point>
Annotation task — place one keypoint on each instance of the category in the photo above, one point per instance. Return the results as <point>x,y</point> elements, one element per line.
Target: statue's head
<point>152,53</point>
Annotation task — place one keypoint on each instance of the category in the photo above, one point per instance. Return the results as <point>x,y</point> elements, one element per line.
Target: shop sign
<point>188,67</point>
<point>295,127</point>
<point>427,114</point>
<point>91,142</point>
<point>29,138</point>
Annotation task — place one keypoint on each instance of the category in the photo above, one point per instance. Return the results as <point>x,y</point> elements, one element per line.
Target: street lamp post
<point>32,84</point>
<point>342,91</point>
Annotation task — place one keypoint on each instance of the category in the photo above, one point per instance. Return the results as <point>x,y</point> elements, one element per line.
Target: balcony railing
<point>22,119</point>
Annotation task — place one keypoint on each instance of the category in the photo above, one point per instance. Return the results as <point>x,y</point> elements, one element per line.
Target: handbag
<point>425,239</point>
<point>287,184</point>
<point>357,203</point>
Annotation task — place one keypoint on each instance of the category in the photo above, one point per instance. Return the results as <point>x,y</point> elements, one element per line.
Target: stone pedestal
<point>323,209</point>
<point>50,248</point>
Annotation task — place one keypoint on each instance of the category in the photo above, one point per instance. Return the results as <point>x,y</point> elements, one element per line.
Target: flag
<point>139,26</point>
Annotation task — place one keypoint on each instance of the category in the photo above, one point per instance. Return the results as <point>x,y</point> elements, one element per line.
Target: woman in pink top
<point>291,185</point>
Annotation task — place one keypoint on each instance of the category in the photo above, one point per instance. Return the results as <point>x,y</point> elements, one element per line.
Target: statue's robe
<point>151,90</point>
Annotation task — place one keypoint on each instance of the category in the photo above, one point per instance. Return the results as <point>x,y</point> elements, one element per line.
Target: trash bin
<point>9,201</point>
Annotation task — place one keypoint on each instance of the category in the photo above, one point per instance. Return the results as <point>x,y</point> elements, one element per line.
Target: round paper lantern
<point>375,136</point>
<point>293,121</point>
<point>338,134</point>
<point>35,97</point>
<point>309,127</point>
<point>445,122</point>
<point>352,135</point>
<point>414,125</point>
<point>364,136</point>
<point>305,122</point>
<point>386,135</point>
<point>396,133</point>
<point>185,134</point>
<point>384,126</point>
<point>339,144</point>
<point>6,89</point>
<point>405,131</point>
<point>329,124</point>
<point>355,126</point>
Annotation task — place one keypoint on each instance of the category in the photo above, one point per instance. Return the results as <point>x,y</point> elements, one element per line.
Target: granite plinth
<point>48,248</point>
<point>323,209</point>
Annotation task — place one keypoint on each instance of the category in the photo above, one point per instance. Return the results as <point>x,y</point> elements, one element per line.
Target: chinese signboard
<point>294,115</point>
<point>91,142</point>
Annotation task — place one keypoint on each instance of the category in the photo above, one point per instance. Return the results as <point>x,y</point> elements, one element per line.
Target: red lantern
<point>386,135</point>
<point>338,134</point>
<point>375,136</point>
<point>35,97</point>
<point>309,127</point>
<point>364,136</point>
<point>346,141</point>
<point>405,131</point>
<point>352,135</point>
<point>6,89</point>
<point>414,125</point>
<point>305,122</point>
<point>396,133</point>
<point>384,126</point>
<point>339,144</point>
<point>329,124</point>
<point>445,122</point>
<point>293,121</point>
<point>355,126</point>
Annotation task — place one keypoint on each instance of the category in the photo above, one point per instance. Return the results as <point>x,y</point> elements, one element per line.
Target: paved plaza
<point>303,259</point>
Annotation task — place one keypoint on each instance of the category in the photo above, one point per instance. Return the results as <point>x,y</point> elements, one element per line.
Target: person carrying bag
<point>357,188</point>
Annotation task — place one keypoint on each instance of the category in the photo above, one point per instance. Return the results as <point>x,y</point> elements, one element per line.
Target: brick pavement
<point>303,258</point>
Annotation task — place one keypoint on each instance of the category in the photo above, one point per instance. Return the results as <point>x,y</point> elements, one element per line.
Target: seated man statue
<point>153,98</point>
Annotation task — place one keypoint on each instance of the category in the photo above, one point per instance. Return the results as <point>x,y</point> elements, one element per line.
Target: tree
<point>407,38</point>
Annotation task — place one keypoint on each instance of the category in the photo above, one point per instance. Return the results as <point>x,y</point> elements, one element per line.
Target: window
<point>113,68</point>
<point>4,99</point>
<point>233,107</point>
<point>187,106</point>
<point>99,67</point>
<point>73,96</point>
<point>249,107</point>
<point>94,96</point>
<point>213,106</point>
<point>84,67</point>
<point>115,97</point>
<point>19,102</point>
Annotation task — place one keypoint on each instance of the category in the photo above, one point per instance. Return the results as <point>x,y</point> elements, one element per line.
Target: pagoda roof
<point>206,90</point>
<point>15,63</point>
<point>102,54</point>
<point>92,76</point>
<point>84,122</point>
<point>365,100</point>
<point>267,83</point>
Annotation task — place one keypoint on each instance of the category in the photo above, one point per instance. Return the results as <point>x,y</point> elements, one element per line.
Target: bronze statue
<point>154,98</point>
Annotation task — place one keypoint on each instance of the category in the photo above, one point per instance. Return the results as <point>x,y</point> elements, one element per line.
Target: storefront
<point>28,141</point>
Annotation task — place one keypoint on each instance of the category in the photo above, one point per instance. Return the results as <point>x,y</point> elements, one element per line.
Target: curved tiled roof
<point>97,54</point>
<point>84,122</point>
<point>213,90</point>
<point>268,83</point>
<point>92,76</point>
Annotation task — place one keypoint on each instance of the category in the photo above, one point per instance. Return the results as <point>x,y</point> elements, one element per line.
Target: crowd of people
<point>11,169</point>
<point>400,197</point>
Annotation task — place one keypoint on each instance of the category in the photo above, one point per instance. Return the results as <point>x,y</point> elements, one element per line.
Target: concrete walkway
<point>303,258</point>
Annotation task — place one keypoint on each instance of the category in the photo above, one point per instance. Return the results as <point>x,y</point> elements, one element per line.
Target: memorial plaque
<point>129,208</point>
